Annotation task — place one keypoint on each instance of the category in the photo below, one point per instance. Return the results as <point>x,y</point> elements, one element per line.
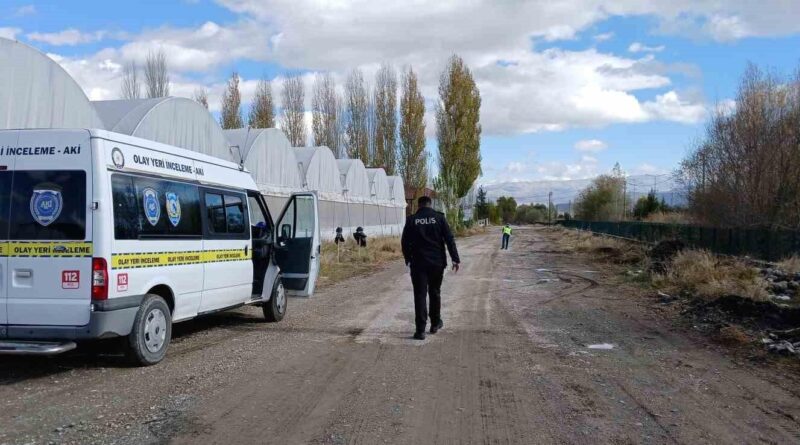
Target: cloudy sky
<point>569,87</point>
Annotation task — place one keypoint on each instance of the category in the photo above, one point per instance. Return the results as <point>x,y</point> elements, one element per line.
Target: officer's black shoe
<point>435,328</point>
<point>419,336</point>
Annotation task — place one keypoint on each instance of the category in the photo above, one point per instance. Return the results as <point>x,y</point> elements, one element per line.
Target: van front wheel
<point>152,331</point>
<point>275,308</point>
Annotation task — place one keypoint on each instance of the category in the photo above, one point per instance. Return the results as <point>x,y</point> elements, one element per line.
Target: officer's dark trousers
<point>427,281</point>
<point>505,240</point>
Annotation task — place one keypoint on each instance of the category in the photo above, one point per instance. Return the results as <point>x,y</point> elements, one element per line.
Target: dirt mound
<point>757,315</point>
<point>663,252</point>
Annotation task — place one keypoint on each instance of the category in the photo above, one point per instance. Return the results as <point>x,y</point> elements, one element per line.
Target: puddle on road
<point>604,346</point>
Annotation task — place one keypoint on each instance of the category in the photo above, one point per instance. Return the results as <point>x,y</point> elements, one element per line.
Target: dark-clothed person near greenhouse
<point>425,237</point>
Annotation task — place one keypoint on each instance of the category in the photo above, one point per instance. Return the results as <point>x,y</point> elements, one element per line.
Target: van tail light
<point>99,279</point>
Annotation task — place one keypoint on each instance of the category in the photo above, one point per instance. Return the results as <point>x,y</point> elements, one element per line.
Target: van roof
<point>158,146</point>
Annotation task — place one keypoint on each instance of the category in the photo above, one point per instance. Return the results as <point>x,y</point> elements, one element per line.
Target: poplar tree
<point>156,75</point>
<point>325,113</point>
<point>458,128</point>
<point>262,110</point>
<point>131,83</point>
<point>386,119</point>
<point>357,110</point>
<point>412,160</point>
<point>231,114</point>
<point>201,96</point>
<point>293,119</point>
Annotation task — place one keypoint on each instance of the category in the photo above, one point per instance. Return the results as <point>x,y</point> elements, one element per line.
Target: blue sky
<point>569,87</point>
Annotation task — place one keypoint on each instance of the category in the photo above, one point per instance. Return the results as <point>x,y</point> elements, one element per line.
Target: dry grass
<point>789,265</point>
<point>608,248</point>
<point>701,274</point>
<point>351,260</point>
<point>462,232</point>
<point>669,218</point>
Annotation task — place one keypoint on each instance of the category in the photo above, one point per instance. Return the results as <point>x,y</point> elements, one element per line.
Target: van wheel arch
<point>163,291</point>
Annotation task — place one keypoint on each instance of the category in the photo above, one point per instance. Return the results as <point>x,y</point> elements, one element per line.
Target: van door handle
<point>23,273</point>
<point>245,250</point>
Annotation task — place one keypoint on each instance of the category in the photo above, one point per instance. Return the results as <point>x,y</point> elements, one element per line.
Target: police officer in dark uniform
<point>424,239</point>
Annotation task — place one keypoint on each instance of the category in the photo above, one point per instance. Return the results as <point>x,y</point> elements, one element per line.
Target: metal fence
<point>761,243</point>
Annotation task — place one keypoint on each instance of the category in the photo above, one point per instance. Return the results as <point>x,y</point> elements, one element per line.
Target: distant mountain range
<point>564,192</point>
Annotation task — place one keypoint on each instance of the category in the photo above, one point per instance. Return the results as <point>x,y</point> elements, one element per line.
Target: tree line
<point>505,210</point>
<point>745,171</point>
<point>370,124</point>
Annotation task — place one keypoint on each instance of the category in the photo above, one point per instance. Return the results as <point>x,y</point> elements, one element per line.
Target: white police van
<point>105,235</point>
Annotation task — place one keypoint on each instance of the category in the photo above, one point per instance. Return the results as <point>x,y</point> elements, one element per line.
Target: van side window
<point>225,214</point>
<point>48,205</point>
<point>5,202</point>
<point>148,207</point>
<point>234,210</point>
<point>216,213</point>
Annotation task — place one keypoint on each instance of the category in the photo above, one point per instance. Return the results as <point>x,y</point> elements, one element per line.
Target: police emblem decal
<point>117,157</point>
<point>152,208</point>
<point>46,205</point>
<point>173,208</point>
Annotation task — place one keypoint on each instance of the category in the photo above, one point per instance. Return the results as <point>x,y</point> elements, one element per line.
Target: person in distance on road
<point>506,236</point>
<point>424,239</point>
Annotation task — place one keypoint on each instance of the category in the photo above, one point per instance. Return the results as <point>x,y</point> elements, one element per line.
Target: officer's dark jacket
<point>424,238</point>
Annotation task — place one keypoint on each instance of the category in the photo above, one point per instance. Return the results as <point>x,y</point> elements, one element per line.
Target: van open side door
<point>7,139</point>
<point>297,243</point>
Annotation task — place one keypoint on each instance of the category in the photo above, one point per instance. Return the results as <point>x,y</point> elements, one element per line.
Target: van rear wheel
<point>152,332</point>
<point>275,308</point>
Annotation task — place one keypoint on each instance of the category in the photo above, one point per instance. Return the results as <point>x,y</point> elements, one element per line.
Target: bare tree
<point>293,119</point>
<point>386,119</point>
<point>325,109</point>
<point>412,159</point>
<point>341,126</point>
<point>131,84</point>
<point>372,128</point>
<point>357,111</point>
<point>231,114</point>
<point>262,110</point>
<point>201,96</point>
<point>746,171</point>
<point>156,75</point>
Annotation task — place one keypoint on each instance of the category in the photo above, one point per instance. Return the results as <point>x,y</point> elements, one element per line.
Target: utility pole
<point>549,206</point>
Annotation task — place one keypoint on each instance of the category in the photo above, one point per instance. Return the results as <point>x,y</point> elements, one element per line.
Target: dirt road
<point>538,347</point>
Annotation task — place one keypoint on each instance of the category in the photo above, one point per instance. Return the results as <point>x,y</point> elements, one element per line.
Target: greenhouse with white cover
<point>36,92</point>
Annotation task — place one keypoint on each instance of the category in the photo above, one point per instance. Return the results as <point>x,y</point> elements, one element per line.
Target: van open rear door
<point>298,243</point>
<point>49,242</point>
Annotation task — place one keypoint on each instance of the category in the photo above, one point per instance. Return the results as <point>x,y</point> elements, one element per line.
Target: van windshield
<point>47,205</point>
<point>5,204</point>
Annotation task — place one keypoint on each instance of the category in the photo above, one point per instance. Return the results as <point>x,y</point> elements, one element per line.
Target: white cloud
<point>25,10</point>
<point>725,107</point>
<point>564,171</point>
<point>67,37</point>
<point>591,145</point>
<point>637,47</point>
<point>671,107</point>
<point>603,37</point>
<point>537,90</point>
<point>516,167</point>
<point>648,169</point>
<point>9,33</point>
<point>204,48</point>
